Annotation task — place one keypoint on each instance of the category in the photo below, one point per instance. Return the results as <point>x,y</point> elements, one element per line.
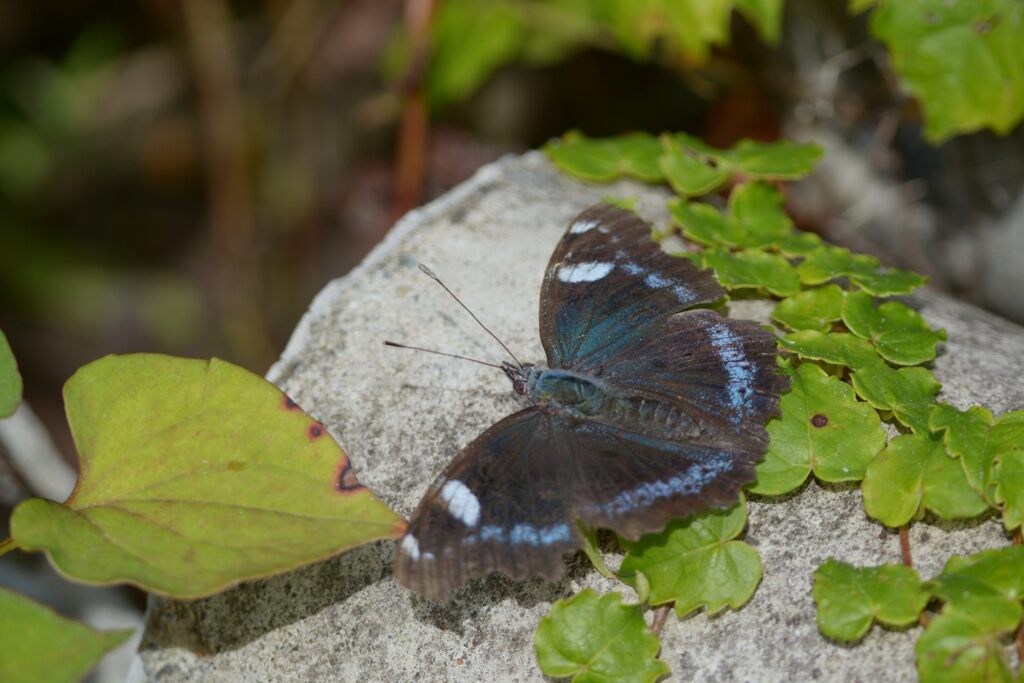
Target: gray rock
<point>402,415</point>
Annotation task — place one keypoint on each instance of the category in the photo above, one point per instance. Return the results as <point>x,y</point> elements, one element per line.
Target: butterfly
<point>649,409</point>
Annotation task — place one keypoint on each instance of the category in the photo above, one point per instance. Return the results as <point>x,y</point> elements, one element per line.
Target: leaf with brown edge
<point>196,475</point>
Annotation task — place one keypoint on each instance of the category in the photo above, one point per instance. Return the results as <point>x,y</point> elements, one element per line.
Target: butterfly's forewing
<point>607,284</point>
<point>499,506</point>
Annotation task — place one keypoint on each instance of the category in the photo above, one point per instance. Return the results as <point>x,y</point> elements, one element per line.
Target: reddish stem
<point>412,135</point>
<point>905,546</point>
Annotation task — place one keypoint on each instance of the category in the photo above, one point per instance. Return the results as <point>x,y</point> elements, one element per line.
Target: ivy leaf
<point>982,593</point>
<point>823,429</point>
<point>704,224</point>
<point>851,598</point>
<point>753,269</point>
<point>811,309</point>
<point>689,170</point>
<point>605,159</point>
<point>10,380</point>
<point>898,332</point>
<point>695,562</point>
<point>596,639</point>
<point>962,645</point>
<point>837,348</point>
<point>962,60</point>
<point>829,263</point>
<point>1009,477</point>
<point>196,475</point>
<point>907,392</point>
<point>990,574</point>
<point>694,168</point>
<point>914,474</point>
<point>43,647</point>
<point>782,160</point>
<point>966,436</point>
<point>799,243</point>
<point>978,439</point>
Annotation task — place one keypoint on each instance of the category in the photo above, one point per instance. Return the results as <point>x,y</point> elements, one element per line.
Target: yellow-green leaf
<point>898,332</point>
<point>40,646</point>
<point>10,379</point>
<point>811,309</point>
<point>196,475</point>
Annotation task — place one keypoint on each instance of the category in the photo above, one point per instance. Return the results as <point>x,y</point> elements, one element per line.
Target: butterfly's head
<point>519,374</point>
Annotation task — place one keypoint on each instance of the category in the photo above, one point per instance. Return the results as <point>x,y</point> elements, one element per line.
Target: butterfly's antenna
<point>429,273</point>
<point>441,353</point>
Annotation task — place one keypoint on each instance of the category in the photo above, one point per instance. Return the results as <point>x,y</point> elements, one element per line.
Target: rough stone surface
<point>403,415</point>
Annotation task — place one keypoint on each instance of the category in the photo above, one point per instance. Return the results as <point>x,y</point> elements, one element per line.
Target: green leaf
<point>1009,493</point>
<point>605,159</point>
<point>978,440</point>
<point>966,436</point>
<point>982,593</point>
<point>851,598</point>
<point>689,171</point>
<point>900,335</point>
<point>914,474</point>
<point>596,639</point>
<point>755,218</point>
<point>837,348</point>
<point>990,574</point>
<point>765,15</point>
<point>694,168</point>
<point>960,646</point>
<point>961,59</point>
<point>823,429</point>
<point>782,160</point>
<point>470,40</point>
<point>705,224</point>
<point>40,646</point>
<point>196,475</point>
<point>753,269</point>
<point>811,309</point>
<point>10,379</point>
<point>908,392</point>
<point>799,243</point>
<point>695,562</point>
<point>829,263</point>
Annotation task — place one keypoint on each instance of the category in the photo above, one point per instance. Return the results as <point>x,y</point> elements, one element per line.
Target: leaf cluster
<point>857,369</point>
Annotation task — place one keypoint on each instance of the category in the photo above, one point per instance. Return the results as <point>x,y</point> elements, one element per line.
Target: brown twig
<point>1017,536</point>
<point>413,132</point>
<point>232,224</point>
<point>660,617</point>
<point>905,546</point>
<point>7,545</point>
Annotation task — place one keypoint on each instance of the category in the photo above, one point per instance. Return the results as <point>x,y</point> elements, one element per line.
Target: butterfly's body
<point>649,409</point>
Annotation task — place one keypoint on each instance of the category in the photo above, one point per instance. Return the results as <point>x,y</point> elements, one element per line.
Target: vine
<point>856,367</point>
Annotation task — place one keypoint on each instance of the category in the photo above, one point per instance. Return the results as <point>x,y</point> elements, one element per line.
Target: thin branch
<point>412,135</point>
<point>6,546</point>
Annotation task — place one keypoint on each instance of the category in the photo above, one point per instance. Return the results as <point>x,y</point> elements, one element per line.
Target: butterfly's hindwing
<point>499,506</point>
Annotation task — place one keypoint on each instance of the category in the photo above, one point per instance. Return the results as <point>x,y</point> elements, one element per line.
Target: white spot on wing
<point>584,272</point>
<point>461,502</point>
<point>411,547</point>
<point>730,350</point>
<point>583,226</point>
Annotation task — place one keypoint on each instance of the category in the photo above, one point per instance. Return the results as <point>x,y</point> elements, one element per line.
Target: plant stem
<point>412,135</point>
<point>905,546</point>
<point>6,546</point>
<point>660,617</point>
